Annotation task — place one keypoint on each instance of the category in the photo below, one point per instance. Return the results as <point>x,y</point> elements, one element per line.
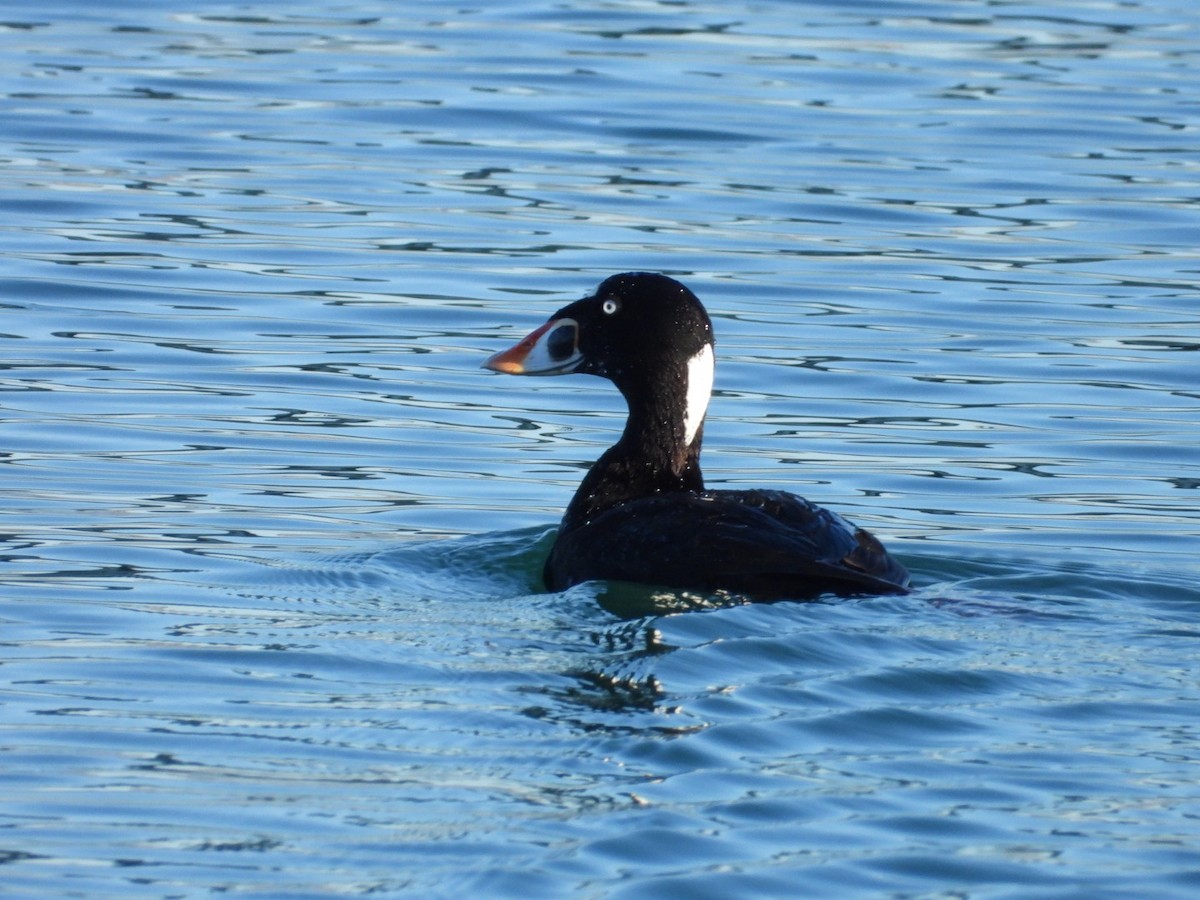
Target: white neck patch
<point>699,390</point>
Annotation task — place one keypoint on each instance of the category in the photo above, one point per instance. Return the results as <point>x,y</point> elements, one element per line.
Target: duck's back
<point>766,544</point>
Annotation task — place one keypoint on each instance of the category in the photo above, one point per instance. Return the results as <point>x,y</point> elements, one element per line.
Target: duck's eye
<point>610,306</point>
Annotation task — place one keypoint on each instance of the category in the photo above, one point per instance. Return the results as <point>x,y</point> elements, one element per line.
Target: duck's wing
<point>768,544</point>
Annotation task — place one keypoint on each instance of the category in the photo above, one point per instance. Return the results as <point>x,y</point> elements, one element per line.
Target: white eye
<point>610,306</point>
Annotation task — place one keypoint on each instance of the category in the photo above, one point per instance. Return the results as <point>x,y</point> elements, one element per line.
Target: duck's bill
<point>552,349</point>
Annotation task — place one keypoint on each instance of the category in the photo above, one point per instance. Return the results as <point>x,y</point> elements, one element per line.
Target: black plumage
<point>642,513</point>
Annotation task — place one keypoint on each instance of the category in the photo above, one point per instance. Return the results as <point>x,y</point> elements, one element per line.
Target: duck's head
<point>636,330</point>
<point>649,336</point>
<point>645,332</point>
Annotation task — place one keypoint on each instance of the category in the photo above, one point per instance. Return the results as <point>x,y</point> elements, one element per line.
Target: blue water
<point>270,621</point>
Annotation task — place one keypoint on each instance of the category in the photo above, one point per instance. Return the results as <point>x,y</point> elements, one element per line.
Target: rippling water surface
<point>271,622</point>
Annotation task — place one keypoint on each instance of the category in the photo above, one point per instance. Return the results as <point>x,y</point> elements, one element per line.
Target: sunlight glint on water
<point>271,615</point>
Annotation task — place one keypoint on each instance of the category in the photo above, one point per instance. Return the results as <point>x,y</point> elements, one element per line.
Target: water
<point>271,618</point>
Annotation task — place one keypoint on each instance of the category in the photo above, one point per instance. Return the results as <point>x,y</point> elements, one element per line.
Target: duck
<point>642,513</point>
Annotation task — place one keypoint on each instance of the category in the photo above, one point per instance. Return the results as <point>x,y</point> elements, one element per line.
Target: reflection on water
<point>270,540</point>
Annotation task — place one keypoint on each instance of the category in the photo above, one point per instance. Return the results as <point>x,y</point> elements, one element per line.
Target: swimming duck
<point>642,513</point>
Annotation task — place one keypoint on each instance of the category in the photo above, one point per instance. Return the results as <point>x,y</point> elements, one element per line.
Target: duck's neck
<point>659,451</point>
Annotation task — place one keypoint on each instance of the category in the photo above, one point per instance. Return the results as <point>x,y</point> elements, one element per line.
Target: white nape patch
<point>699,390</point>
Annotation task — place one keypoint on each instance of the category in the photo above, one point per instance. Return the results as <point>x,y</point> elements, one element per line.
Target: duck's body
<point>642,513</point>
<point>765,544</point>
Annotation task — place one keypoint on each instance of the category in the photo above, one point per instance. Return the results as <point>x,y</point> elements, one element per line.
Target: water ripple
<point>271,541</point>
